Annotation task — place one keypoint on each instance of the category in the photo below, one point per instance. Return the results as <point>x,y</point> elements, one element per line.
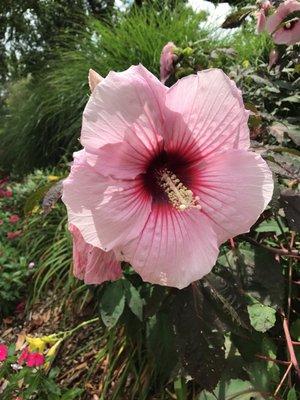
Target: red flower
<point>8,193</point>
<point>24,356</point>
<point>3,352</point>
<point>13,235</point>
<point>4,180</point>
<point>35,359</point>
<point>14,218</point>
<point>20,307</point>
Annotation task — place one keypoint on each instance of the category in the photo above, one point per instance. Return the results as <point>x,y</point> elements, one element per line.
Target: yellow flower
<point>36,344</point>
<point>246,64</point>
<point>51,354</point>
<point>51,339</point>
<point>54,349</point>
<point>40,343</point>
<point>53,178</point>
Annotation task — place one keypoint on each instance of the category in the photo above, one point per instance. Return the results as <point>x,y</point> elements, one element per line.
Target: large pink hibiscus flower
<point>288,33</point>
<point>166,175</point>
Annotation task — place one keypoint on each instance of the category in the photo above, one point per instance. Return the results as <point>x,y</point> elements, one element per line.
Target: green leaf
<point>180,389</point>
<point>269,349</point>
<point>270,226</point>
<point>154,298</point>
<point>295,330</point>
<point>294,133</point>
<point>35,198</point>
<point>234,389</point>
<point>283,164</point>
<point>112,303</point>
<point>261,378</point>
<point>133,299</point>
<point>258,272</point>
<point>249,345</point>
<point>224,292</point>
<point>199,342</point>
<point>286,150</point>
<point>72,394</point>
<point>292,99</point>
<point>291,204</point>
<point>262,317</point>
<point>280,129</point>
<point>161,344</point>
<point>292,395</point>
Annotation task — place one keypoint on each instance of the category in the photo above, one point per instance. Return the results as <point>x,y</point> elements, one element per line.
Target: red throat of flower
<point>168,179</point>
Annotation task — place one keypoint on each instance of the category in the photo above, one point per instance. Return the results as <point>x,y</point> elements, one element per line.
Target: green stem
<point>71,331</point>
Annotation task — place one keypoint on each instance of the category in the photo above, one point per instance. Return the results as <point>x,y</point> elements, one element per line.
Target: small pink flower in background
<point>4,180</point>
<point>3,352</point>
<point>166,175</point>
<point>91,264</point>
<point>31,265</point>
<point>289,33</point>
<point>24,356</point>
<point>35,359</point>
<point>13,219</point>
<point>13,235</point>
<point>167,60</point>
<point>20,307</point>
<point>8,193</point>
<point>261,16</point>
<point>1,222</point>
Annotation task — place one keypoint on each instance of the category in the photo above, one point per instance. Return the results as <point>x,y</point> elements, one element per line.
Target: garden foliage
<point>232,335</point>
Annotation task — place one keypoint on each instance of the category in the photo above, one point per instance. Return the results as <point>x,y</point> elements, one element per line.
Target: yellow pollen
<point>288,25</point>
<point>179,195</point>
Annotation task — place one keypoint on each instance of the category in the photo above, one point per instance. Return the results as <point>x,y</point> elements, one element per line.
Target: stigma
<point>179,195</point>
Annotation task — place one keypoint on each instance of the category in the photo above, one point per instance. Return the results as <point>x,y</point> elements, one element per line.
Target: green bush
<point>44,113</point>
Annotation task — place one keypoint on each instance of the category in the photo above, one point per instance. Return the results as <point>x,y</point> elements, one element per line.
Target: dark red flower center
<point>168,178</point>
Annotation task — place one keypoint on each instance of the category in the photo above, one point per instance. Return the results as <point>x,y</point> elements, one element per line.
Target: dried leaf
<point>52,196</point>
<point>236,19</point>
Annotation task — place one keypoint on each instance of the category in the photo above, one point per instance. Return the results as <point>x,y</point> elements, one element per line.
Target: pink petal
<point>282,11</point>
<point>128,102</point>
<point>175,248</point>
<point>3,352</point>
<point>288,36</point>
<point>210,113</point>
<point>234,188</point>
<point>127,159</point>
<point>261,21</point>
<point>106,211</point>
<point>92,264</point>
<point>24,356</point>
<point>35,359</point>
